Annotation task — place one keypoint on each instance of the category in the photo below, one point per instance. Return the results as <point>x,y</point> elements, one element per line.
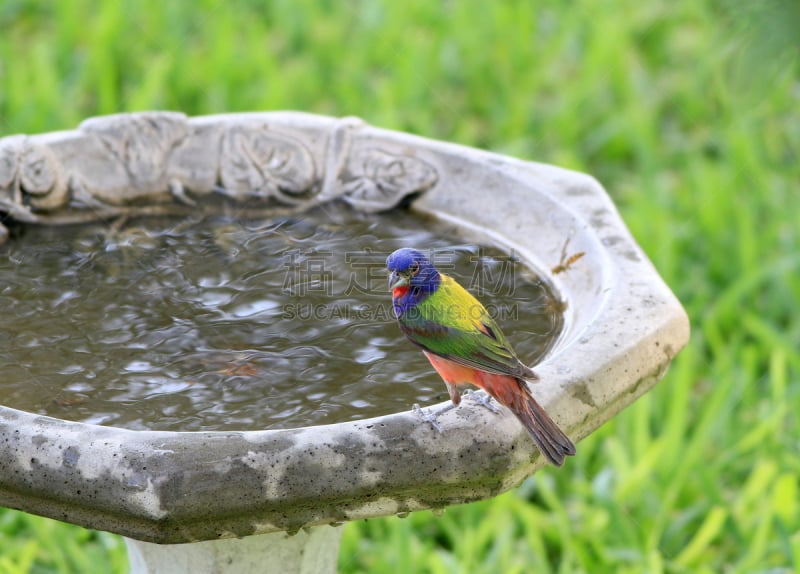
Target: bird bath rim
<point>622,329</point>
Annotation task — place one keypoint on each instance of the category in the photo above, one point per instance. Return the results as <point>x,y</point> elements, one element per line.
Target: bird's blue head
<point>412,277</point>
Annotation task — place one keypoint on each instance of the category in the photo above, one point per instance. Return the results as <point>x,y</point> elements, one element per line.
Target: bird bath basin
<point>249,500</point>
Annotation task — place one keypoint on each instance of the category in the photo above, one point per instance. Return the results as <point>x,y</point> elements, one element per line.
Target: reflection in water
<point>236,324</point>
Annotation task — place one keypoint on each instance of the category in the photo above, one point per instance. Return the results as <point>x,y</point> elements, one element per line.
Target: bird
<point>465,345</point>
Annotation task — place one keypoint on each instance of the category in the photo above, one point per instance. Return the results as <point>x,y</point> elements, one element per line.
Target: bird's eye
<point>414,269</point>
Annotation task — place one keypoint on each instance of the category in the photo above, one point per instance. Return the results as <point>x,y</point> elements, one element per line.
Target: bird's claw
<point>430,416</point>
<point>482,398</point>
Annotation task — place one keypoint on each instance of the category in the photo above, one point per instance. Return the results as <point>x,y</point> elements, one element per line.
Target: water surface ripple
<point>225,324</point>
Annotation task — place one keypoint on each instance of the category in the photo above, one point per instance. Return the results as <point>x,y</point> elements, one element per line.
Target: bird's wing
<point>452,324</point>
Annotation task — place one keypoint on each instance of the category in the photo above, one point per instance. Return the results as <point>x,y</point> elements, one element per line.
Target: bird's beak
<point>397,280</point>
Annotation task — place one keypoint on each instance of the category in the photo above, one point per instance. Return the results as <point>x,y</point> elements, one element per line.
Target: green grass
<point>33,544</point>
<point>689,114</point>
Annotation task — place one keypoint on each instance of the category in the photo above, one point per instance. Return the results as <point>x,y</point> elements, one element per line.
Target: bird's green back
<point>453,324</point>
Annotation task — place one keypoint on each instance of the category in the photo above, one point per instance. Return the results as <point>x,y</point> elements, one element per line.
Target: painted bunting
<point>465,345</point>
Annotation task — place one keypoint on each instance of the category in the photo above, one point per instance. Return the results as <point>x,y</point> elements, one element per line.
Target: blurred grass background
<point>687,111</point>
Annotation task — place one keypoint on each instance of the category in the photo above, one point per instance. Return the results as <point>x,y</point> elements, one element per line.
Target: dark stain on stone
<point>581,392</point>
<point>631,255</point>
<point>578,190</point>
<point>70,457</point>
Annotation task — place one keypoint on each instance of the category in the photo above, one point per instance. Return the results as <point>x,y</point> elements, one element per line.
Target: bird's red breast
<point>501,387</point>
<point>398,292</point>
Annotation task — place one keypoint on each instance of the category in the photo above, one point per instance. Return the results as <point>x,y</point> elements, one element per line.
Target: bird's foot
<point>482,398</point>
<point>429,416</point>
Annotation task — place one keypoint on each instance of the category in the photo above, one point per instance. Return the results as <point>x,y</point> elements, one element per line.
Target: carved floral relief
<point>117,164</point>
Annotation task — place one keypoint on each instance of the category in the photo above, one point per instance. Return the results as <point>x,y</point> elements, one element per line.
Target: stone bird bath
<point>268,501</point>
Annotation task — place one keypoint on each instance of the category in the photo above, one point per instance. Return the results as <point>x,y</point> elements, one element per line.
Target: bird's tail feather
<point>553,443</point>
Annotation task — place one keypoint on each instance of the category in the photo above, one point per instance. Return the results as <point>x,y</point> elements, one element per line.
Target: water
<point>218,323</point>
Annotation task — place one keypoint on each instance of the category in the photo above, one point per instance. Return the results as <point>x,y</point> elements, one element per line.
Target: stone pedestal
<point>309,551</point>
